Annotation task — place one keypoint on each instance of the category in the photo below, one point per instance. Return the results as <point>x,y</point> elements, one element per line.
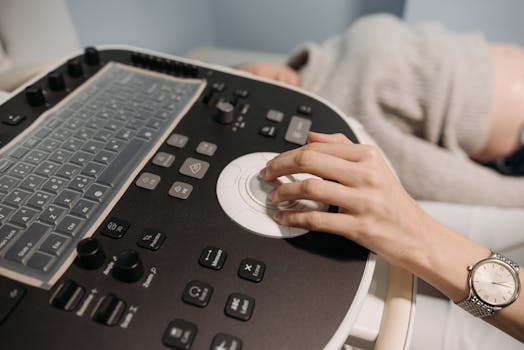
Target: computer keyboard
<point>67,170</point>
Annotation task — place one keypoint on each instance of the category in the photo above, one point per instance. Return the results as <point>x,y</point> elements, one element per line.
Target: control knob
<point>225,112</point>
<point>128,267</point>
<point>90,254</point>
<point>56,81</point>
<point>35,95</point>
<point>74,67</point>
<point>91,56</point>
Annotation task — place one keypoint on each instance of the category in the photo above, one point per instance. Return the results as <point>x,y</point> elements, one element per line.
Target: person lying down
<point>437,103</point>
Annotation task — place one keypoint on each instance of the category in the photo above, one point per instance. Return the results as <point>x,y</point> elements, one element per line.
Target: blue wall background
<point>175,26</point>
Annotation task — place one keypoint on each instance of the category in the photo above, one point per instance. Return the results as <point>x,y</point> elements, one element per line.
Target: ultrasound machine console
<point>132,216</point>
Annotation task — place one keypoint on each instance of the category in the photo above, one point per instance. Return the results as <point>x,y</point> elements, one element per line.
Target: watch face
<point>495,283</point>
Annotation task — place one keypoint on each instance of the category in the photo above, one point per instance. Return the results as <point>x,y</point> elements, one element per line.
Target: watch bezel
<point>507,266</point>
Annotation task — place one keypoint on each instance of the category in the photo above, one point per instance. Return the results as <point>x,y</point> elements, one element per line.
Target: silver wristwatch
<point>493,284</point>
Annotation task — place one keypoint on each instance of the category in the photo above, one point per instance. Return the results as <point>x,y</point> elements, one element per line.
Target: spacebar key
<point>120,167</point>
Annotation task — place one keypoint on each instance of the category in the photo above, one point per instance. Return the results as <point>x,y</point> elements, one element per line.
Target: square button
<point>180,334</point>
<point>224,341</point>
<point>194,168</point>
<point>197,293</point>
<point>240,306</point>
<point>275,116</point>
<point>148,181</point>
<point>164,159</point>
<point>213,258</point>
<point>177,140</point>
<point>151,239</point>
<point>115,228</point>
<point>180,190</point>
<point>304,109</point>
<point>252,270</point>
<point>206,148</point>
<point>268,131</point>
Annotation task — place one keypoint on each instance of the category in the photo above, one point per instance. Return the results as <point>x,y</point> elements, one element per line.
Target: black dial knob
<point>91,56</point>
<point>128,267</point>
<point>35,95</point>
<point>90,254</point>
<point>225,112</point>
<point>56,81</point>
<point>74,68</point>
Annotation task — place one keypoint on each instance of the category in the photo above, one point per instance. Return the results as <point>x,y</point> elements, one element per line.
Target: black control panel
<point>167,268</point>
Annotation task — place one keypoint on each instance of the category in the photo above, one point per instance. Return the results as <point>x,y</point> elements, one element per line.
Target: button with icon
<point>197,293</point>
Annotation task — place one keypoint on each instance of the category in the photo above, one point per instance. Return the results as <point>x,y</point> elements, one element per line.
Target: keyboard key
<point>84,133</point>
<point>7,183</point>
<point>62,134</point>
<point>114,172</point>
<point>104,157</point>
<point>81,158</point>
<point>224,341</point>
<point>19,152</point>
<point>54,244</point>
<point>35,157</point>
<point>21,170</point>
<point>73,145</point>
<point>197,293</point>
<point>93,169</point>
<point>5,211</point>
<point>68,170</point>
<point>145,133</point>
<point>206,148</point>
<point>39,200</point>
<point>251,270</point>
<point>103,135</point>
<point>51,215</point>
<point>46,169</point>
<point>16,198</point>
<point>60,156</point>
<point>70,225</point>
<point>25,244</point>
<point>213,258</point>
<point>84,208</point>
<point>124,134</point>
<point>115,145</point>
<point>41,261</point>
<point>54,185</point>
<point>67,198</point>
<point>80,183</point>
<point>49,145</point>
<point>32,182</point>
<point>5,164</point>
<point>93,147</point>
<point>7,234</point>
<point>23,216</point>
<point>96,192</point>
<point>151,239</point>
<point>180,190</point>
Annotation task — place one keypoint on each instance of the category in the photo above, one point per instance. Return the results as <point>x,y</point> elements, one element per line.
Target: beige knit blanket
<point>424,94</point>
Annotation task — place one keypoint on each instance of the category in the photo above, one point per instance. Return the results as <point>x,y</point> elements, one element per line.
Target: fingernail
<point>263,172</point>
<point>271,196</point>
<point>278,216</point>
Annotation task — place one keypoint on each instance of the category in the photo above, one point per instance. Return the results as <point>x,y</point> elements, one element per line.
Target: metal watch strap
<point>476,307</point>
<point>472,303</point>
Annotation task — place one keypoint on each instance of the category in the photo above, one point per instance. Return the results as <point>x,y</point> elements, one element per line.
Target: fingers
<point>327,138</point>
<point>321,191</point>
<point>329,161</point>
<point>340,224</point>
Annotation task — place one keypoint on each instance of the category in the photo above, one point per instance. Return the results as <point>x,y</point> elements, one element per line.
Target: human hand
<point>374,209</point>
<point>277,72</point>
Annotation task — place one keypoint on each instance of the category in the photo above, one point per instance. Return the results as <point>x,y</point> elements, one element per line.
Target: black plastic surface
<point>309,281</point>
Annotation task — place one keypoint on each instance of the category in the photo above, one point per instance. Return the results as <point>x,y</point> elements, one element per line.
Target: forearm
<point>443,261</point>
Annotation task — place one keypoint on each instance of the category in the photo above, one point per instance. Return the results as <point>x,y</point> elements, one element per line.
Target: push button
<point>13,119</point>
<point>151,239</point>
<point>115,228</point>
<point>148,181</point>
<point>224,341</point>
<point>109,310</point>
<point>213,258</point>
<point>10,295</point>
<point>67,295</point>
<point>194,168</point>
<point>177,140</point>
<point>251,270</point>
<point>297,130</point>
<point>274,115</point>
<point>304,109</point>
<point>179,334</point>
<point>240,306</point>
<point>268,131</point>
<point>180,190</point>
<point>206,148</point>
<point>197,293</point>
